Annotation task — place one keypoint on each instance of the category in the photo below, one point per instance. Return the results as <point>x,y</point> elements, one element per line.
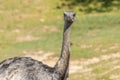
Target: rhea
<point>26,68</point>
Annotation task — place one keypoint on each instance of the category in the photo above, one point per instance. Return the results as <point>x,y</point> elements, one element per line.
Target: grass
<point>101,31</point>
<point>104,70</point>
<point>85,30</point>
<point>30,25</point>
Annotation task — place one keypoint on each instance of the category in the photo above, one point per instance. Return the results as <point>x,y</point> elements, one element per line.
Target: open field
<point>29,28</point>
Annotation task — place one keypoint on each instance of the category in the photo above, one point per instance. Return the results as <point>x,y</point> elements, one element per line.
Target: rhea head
<point>69,16</point>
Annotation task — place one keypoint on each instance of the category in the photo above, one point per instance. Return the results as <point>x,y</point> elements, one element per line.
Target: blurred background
<point>34,28</point>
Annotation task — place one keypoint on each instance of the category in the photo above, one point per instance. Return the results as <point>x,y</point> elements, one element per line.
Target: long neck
<point>63,63</point>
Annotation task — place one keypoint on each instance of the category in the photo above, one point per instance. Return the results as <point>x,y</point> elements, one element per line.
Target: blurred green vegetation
<point>89,6</point>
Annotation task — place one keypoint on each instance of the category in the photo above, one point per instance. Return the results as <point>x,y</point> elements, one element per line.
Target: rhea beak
<point>73,19</point>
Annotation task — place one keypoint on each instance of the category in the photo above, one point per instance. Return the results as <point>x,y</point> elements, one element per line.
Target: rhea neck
<point>63,63</point>
<point>65,52</point>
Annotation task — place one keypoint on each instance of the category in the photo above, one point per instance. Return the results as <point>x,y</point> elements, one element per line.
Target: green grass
<point>93,31</point>
<point>103,70</point>
<point>89,30</point>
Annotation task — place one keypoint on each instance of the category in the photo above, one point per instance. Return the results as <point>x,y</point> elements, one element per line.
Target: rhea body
<point>26,68</point>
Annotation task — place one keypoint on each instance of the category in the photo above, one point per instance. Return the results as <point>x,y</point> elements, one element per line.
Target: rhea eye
<point>64,14</point>
<point>74,14</point>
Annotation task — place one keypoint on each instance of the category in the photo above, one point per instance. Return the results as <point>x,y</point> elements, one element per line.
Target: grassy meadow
<point>31,26</point>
